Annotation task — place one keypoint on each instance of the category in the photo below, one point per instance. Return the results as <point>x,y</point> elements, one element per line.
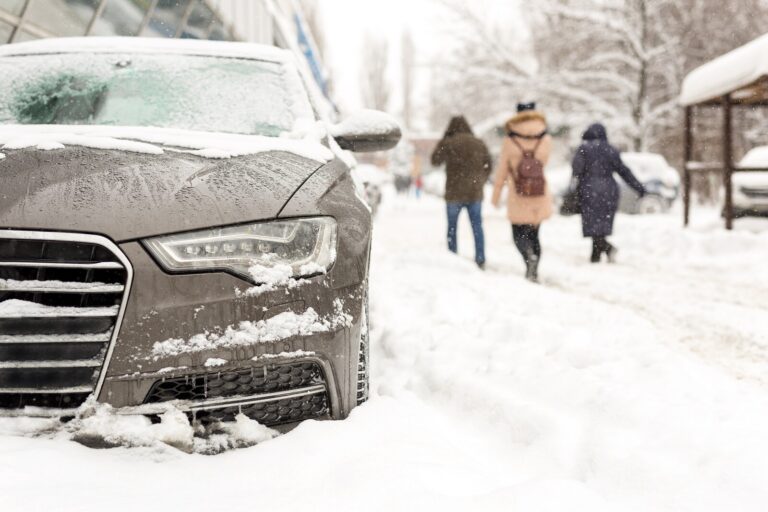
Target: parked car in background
<point>661,180</point>
<point>750,189</point>
<point>372,180</point>
<point>176,227</point>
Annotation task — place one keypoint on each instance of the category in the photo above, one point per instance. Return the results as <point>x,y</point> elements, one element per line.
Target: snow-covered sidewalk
<point>640,386</point>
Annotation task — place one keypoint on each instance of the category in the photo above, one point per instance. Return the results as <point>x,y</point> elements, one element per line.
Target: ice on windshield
<point>166,91</point>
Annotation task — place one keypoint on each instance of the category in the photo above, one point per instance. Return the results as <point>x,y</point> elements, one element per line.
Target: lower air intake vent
<point>270,394</point>
<point>60,300</point>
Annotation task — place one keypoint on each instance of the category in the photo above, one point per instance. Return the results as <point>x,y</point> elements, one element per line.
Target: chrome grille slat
<point>52,391</point>
<point>62,296</point>
<point>79,363</point>
<point>71,338</point>
<point>65,314</point>
<point>56,264</point>
<point>60,289</point>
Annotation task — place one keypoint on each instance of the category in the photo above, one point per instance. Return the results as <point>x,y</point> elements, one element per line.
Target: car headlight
<point>305,246</point>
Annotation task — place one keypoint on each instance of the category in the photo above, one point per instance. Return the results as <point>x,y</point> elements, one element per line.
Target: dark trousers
<point>526,238</point>
<point>475,211</point>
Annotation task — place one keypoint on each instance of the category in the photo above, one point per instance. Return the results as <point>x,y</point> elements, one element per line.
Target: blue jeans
<point>475,211</point>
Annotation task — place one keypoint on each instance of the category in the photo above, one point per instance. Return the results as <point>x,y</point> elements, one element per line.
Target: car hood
<point>127,196</point>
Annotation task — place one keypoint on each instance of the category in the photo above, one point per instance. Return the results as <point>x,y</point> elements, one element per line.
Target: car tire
<point>651,204</point>
<point>363,360</point>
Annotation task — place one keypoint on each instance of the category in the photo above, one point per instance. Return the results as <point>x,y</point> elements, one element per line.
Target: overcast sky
<point>347,21</point>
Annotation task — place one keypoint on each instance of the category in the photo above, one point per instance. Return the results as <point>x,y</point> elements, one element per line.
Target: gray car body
<point>129,196</point>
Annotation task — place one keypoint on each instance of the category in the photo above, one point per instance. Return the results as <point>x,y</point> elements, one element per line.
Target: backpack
<point>529,178</point>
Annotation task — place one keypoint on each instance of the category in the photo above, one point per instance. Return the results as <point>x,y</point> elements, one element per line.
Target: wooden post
<point>728,161</point>
<point>687,156</point>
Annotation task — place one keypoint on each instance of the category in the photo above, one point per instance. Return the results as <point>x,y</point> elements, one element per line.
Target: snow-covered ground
<point>636,387</point>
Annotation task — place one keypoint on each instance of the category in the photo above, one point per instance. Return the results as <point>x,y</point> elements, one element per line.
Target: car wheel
<point>363,360</point>
<point>651,205</point>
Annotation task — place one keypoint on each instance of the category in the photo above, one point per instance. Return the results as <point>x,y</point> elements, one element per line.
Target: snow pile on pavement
<point>100,426</point>
<point>276,328</point>
<point>633,387</point>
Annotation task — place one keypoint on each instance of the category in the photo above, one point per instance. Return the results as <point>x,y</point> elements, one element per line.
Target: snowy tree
<point>617,61</point>
<point>374,81</point>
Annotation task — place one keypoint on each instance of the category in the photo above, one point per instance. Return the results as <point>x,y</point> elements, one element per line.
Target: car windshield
<point>202,93</point>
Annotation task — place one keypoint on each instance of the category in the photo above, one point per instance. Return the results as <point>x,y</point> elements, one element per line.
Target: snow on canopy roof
<point>147,45</point>
<point>727,73</point>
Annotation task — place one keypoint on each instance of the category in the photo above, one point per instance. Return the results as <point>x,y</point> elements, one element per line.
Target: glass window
<point>5,32</point>
<point>167,91</point>
<point>199,21</point>
<point>62,17</point>
<point>121,18</point>
<point>166,18</point>
<point>12,6</point>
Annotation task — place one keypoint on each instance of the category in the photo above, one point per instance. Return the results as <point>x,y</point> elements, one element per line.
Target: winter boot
<point>596,253</point>
<point>532,268</point>
<point>611,252</point>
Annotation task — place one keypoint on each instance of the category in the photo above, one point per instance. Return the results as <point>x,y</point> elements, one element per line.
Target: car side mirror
<point>367,130</point>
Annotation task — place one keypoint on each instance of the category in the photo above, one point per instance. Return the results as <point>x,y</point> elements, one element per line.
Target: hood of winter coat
<point>458,125</point>
<point>595,132</point>
<point>131,195</point>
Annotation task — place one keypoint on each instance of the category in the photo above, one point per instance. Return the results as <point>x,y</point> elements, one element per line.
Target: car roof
<point>147,45</point>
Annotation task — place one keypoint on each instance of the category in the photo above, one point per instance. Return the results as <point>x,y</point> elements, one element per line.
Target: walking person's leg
<point>475,211</point>
<point>598,247</point>
<point>452,211</point>
<point>520,238</point>
<point>523,236</point>
<point>536,248</point>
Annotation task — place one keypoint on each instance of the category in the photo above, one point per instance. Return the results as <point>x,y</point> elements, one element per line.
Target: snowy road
<point>641,386</point>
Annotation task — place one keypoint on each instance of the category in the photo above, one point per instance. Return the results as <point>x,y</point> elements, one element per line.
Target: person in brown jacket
<point>467,167</point>
<point>527,132</point>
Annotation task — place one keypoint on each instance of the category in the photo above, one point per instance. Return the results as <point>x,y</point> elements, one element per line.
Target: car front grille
<point>271,394</point>
<point>60,300</point>
<point>754,192</point>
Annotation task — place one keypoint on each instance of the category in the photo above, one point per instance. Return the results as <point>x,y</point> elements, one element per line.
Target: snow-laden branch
<point>596,17</point>
<point>607,58</point>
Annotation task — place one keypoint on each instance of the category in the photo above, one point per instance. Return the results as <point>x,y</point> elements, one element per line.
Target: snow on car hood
<point>305,143</point>
<point>130,195</point>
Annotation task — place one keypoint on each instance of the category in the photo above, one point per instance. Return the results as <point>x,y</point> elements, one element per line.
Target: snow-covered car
<point>661,180</point>
<point>178,229</point>
<point>750,189</point>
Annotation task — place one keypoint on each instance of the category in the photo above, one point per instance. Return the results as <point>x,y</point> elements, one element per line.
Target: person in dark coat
<point>467,167</point>
<point>594,164</point>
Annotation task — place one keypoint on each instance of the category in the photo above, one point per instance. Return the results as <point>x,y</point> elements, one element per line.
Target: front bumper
<point>165,307</point>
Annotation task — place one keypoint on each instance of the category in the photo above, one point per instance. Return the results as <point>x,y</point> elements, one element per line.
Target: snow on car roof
<point>147,45</point>
<point>727,73</point>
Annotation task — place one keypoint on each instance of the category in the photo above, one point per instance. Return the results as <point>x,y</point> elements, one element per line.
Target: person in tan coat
<point>527,132</point>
